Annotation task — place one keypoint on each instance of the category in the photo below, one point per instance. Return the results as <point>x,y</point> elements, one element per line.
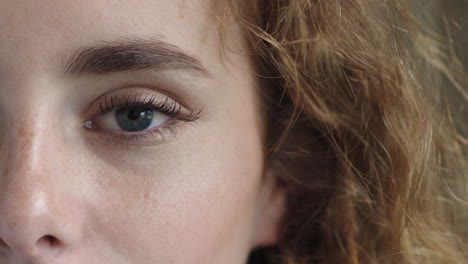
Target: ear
<point>271,208</point>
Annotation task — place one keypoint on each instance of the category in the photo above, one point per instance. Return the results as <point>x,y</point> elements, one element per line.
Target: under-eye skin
<point>137,115</point>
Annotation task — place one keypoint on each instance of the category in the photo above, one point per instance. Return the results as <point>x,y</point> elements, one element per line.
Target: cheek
<point>191,201</point>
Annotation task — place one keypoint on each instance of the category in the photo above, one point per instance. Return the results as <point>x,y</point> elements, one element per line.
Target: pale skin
<point>76,188</point>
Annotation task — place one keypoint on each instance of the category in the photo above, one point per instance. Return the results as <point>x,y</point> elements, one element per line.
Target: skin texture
<point>195,193</point>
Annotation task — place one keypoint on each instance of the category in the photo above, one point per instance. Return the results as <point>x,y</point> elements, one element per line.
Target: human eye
<point>137,115</point>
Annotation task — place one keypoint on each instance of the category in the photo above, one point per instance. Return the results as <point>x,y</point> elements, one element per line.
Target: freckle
<point>6,170</point>
<point>24,143</point>
<point>22,132</point>
<point>25,138</point>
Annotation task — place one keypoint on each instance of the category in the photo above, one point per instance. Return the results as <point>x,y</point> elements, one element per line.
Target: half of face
<point>129,134</point>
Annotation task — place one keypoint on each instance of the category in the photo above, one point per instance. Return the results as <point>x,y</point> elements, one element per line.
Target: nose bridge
<point>24,183</point>
<point>24,154</point>
<point>22,150</point>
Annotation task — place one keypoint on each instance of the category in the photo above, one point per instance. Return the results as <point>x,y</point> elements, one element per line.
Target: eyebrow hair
<point>129,55</point>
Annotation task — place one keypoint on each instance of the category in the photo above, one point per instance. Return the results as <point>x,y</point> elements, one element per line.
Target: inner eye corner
<point>88,124</point>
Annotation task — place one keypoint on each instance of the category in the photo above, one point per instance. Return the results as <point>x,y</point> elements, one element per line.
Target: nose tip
<point>38,220</point>
<point>30,232</point>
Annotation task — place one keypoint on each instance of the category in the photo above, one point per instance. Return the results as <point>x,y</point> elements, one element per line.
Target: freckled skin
<point>198,195</point>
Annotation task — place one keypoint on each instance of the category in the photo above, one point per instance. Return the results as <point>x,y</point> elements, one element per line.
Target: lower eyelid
<point>150,137</point>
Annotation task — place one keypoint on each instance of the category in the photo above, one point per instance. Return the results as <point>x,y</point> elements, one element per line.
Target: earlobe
<point>271,210</point>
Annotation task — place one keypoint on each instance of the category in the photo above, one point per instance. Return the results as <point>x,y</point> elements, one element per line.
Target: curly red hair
<point>372,168</point>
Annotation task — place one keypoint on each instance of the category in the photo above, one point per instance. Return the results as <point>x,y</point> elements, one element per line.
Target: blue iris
<point>134,119</point>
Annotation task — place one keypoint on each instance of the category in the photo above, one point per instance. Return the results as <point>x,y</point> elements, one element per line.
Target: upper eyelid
<point>131,92</point>
<point>105,107</point>
<point>145,88</point>
<point>166,104</point>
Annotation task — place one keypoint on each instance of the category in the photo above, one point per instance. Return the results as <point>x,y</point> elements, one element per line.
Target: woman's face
<point>129,133</point>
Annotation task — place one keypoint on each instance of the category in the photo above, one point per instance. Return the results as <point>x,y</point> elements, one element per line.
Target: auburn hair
<point>371,162</point>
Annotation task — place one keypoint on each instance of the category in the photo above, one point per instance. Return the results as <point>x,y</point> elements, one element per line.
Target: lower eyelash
<point>150,136</point>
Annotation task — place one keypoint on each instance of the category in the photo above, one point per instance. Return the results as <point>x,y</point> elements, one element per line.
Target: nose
<point>29,231</point>
<point>38,221</point>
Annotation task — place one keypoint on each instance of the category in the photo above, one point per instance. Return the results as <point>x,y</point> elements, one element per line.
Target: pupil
<point>134,114</point>
<point>134,119</point>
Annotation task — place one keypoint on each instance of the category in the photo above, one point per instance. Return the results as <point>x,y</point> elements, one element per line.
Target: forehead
<point>33,29</point>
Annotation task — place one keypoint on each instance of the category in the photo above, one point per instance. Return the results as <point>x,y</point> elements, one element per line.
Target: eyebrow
<point>129,55</point>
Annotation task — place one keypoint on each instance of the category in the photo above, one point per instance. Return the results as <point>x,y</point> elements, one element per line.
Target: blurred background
<point>449,19</point>
<point>458,11</point>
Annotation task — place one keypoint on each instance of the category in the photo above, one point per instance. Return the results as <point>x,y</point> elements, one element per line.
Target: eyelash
<point>167,107</point>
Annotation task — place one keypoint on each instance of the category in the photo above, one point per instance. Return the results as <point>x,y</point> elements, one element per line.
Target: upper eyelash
<point>168,107</point>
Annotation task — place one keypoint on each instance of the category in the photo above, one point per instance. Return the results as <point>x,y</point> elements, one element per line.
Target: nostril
<point>3,244</point>
<point>48,241</point>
